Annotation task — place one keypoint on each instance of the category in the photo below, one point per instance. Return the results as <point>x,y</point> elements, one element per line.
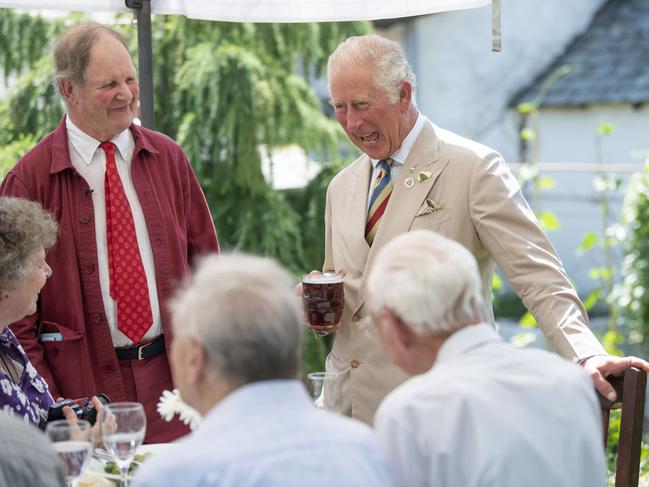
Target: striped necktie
<point>381,191</point>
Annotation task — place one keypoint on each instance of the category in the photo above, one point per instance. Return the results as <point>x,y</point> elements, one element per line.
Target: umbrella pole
<point>142,12</point>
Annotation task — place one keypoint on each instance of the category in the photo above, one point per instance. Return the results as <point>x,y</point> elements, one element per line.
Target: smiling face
<point>106,103</point>
<point>22,300</point>
<point>370,120</point>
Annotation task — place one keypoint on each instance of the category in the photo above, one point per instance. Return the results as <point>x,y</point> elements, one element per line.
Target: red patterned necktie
<point>128,286</point>
<point>381,191</point>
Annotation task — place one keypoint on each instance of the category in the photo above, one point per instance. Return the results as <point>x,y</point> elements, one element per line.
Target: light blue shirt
<point>270,434</point>
<point>489,414</point>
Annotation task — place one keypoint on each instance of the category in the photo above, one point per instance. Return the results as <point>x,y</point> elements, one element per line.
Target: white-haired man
<point>413,175</point>
<point>482,413</point>
<point>236,357</point>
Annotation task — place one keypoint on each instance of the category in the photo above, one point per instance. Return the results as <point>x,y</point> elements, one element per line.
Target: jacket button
<point>88,268</point>
<point>95,317</point>
<point>108,368</point>
<point>84,219</point>
<point>355,364</point>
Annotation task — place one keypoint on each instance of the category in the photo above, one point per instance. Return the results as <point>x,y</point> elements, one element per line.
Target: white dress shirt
<point>90,162</point>
<point>269,434</point>
<point>489,414</point>
<point>399,156</point>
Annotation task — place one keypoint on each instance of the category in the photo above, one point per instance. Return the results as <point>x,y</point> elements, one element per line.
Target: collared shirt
<point>90,161</point>
<point>489,414</point>
<point>269,434</point>
<point>399,156</point>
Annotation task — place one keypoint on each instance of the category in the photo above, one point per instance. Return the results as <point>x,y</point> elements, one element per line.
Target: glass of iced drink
<point>323,297</point>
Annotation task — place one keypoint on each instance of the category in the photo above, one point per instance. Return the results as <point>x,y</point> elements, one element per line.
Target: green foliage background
<point>632,295</point>
<point>228,93</point>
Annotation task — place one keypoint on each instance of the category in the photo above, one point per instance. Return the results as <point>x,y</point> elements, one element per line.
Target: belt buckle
<point>140,349</point>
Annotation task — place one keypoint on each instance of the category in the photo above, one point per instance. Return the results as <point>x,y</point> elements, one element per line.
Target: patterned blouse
<point>29,398</point>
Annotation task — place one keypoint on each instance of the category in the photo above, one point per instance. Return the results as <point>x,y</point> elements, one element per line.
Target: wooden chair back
<point>630,390</point>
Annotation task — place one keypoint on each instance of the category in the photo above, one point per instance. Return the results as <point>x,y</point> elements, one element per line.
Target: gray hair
<point>27,458</point>
<point>430,282</point>
<point>390,64</point>
<point>243,311</point>
<point>72,52</point>
<point>25,227</point>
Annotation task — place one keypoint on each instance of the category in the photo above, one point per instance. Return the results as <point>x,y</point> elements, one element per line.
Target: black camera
<point>83,408</point>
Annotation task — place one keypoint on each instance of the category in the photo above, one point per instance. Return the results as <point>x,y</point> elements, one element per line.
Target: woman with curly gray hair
<point>26,232</point>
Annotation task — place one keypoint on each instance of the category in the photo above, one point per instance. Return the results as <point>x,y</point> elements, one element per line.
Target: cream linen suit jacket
<point>471,197</point>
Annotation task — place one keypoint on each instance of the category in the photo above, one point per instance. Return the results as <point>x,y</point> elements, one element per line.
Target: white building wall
<point>569,135</point>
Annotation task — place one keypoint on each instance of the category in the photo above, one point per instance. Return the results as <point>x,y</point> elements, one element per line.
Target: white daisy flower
<point>171,404</point>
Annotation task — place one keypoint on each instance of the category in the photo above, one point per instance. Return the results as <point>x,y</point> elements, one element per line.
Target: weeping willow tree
<point>232,91</point>
<point>228,93</point>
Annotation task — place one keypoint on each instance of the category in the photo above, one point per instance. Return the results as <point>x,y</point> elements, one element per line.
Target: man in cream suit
<point>439,181</point>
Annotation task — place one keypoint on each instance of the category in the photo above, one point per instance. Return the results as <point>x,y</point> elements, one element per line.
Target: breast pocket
<point>434,220</point>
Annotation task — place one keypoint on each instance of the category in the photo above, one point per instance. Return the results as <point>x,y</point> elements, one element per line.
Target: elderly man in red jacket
<point>132,218</point>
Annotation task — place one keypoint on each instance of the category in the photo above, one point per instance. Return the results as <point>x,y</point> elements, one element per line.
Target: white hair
<point>245,314</point>
<point>428,281</point>
<point>390,64</point>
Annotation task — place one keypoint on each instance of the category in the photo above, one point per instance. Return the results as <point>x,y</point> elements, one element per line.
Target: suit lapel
<point>356,211</point>
<point>405,201</point>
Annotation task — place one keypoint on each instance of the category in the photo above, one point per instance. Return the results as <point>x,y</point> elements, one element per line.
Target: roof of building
<point>608,63</point>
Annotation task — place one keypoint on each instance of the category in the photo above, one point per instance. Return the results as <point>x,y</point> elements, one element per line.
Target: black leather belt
<point>147,350</point>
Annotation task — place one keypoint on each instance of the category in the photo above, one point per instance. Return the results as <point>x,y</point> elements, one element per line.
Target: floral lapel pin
<point>422,176</point>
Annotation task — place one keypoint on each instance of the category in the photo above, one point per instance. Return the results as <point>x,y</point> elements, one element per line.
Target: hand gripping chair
<point>630,399</point>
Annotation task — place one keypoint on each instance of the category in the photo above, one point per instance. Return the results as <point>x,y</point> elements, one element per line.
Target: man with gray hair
<point>236,358</point>
<point>415,175</point>
<point>482,412</point>
<point>27,458</point>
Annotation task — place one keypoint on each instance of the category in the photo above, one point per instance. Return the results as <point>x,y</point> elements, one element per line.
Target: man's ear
<point>67,89</point>
<point>402,331</point>
<point>196,365</point>
<point>405,96</point>
<point>406,336</point>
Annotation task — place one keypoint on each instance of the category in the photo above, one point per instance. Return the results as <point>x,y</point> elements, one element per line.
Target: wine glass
<point>123,425</point>
<point>317,382</point>
<point>73,443</point>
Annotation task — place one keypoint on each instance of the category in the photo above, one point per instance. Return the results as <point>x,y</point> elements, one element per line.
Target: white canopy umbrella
<point>251,11</point>
<point>264,10</point>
